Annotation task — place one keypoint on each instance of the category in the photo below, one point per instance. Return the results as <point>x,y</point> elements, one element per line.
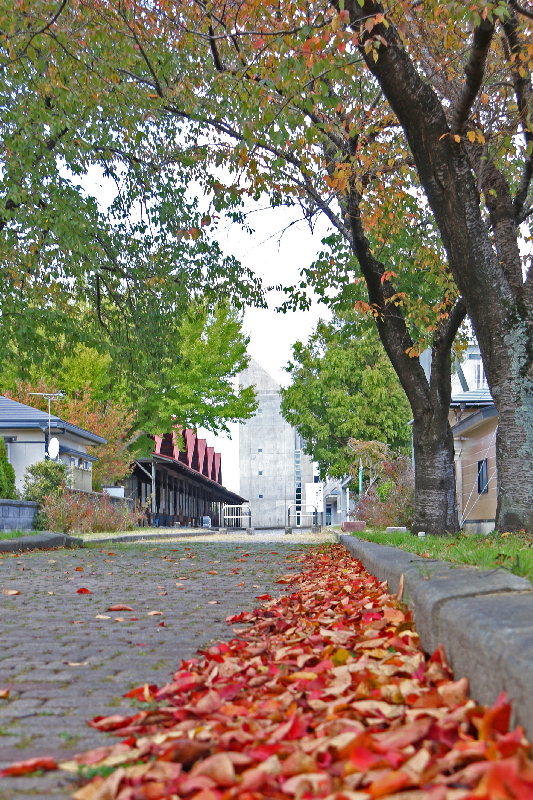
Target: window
<point>316,478</point>
<point>482,482</point>
<point>259,410</point>
<point>260,496</point>
<point>260,472</point>
<point>259,449</point>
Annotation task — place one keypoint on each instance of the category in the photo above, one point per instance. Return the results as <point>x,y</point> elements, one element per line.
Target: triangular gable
<point>210,453</point>
<point>201,445</point>
<point>190,447</point>
<point>218,472</point>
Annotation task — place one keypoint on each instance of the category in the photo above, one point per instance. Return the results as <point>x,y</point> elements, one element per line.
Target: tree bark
<point>435,493</point>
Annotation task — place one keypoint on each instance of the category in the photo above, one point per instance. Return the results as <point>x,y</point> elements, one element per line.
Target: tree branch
<point>523,93</point>
<point>474,71</point>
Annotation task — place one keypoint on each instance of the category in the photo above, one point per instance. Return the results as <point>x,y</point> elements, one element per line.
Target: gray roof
<point>18,415</point>
<point>475,398</point>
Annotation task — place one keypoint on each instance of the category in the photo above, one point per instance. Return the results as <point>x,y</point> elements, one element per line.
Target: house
<point>181,482</point>
<point>274,470</point>
<point>26,432</point>
<point>474,421</point>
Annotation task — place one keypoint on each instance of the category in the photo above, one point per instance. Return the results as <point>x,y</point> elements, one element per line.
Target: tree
<point>7,475</point>
<point>343,387</point>
<point>66,115</point>
<point>277,100</point>
<point>191,383</point>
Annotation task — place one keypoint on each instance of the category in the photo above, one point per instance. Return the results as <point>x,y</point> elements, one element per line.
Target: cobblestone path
<point>66,658</point>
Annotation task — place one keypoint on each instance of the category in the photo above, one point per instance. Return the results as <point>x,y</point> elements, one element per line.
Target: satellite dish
<point>53,447</point>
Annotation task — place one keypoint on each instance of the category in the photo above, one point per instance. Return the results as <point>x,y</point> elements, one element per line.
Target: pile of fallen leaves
<point>326,695</point>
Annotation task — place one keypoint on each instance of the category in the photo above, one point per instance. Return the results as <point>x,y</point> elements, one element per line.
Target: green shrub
<point>7,475</point>
<point>44,478</point>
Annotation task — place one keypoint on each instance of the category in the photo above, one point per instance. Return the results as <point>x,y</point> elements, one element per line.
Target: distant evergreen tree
<point>7,475</point>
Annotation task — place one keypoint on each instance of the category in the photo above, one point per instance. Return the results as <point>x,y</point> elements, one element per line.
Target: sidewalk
<point>322,693</point>
<point>67,655</point>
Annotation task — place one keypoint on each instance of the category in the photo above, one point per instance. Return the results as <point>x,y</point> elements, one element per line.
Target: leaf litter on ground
<point>326,694</point>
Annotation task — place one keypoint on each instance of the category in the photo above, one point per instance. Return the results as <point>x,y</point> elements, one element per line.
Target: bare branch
<point>525,12</point>
<point>475,69</point>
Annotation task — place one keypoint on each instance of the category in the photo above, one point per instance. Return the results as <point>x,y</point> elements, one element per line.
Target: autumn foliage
<point>110,419</point>
<point>326,695</point>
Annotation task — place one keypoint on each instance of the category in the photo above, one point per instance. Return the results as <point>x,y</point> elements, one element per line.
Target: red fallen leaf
<point>83,590</point>
<point>389,784</point>
<point>143,693</point>
<point>120,607</point>
<point>263,597</point>
<point>31,765</point>
<point>111,723</point>
<point>161,625</point>
<point>219,768</point>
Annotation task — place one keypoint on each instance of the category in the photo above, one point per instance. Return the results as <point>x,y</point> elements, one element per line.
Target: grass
<point>510,551</point>
<point>16,534</point>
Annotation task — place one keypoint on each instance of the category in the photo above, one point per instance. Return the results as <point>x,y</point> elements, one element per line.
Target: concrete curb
<point>39,541</point>
<point>483,619</point>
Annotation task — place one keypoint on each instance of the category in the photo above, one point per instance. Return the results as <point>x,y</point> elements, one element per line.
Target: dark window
<point>259,449</point>
<point>259,410</point>
<point>316,478</point>
<point>482,482</point>
<point>260,471</point>
<point>260,496</point>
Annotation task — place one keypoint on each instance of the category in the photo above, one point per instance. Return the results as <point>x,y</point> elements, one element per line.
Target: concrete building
<point>274,469</point>
<point>26,432</point>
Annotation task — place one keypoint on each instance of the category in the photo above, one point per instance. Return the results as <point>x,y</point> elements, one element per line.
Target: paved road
<point>66,664</point>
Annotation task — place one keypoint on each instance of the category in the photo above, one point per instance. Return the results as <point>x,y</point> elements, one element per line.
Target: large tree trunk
<point>514,443</point>
<point>435,495</point>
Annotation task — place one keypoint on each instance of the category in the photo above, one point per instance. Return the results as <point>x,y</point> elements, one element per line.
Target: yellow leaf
<point>481,138</point>
<point>471,136</point>
<point>457,138</point>
<point>484,98</point>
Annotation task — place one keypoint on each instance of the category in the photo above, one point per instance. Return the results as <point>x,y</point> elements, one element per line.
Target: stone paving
<point>66,658</point>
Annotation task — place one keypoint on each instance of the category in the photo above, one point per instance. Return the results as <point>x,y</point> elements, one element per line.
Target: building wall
<point>268,458</point>
<point>471,448</point>
<point>27,450</point>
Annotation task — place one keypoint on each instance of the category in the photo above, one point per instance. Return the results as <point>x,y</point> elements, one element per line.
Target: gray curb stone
<point>484,619</point>
<point>38,541</point>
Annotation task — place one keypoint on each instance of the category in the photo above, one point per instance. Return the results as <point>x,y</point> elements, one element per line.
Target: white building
<point>26,432</point>
<point>274,470</point>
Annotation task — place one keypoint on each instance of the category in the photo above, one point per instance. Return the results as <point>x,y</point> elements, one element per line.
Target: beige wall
<point>471,447</point>
<point>27,450</point>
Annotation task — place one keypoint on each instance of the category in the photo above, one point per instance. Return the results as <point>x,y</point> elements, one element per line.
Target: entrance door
<point>328,515</point>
